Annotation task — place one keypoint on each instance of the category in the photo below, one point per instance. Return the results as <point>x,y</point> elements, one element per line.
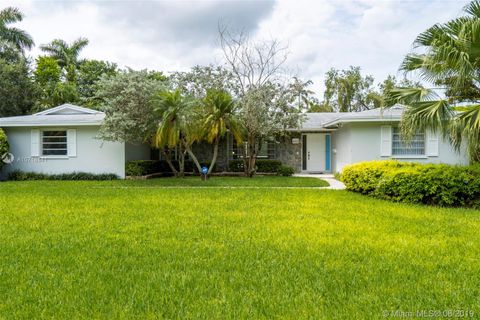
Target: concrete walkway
<point>334,183</point>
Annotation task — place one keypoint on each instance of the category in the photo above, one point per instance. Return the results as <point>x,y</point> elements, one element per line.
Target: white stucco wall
<point>92,155</point>
<point>357,142</point>
<point>341,149</point>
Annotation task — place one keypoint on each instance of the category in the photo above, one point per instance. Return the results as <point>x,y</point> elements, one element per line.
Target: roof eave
<point>43,124</point>
<point>369,119</point>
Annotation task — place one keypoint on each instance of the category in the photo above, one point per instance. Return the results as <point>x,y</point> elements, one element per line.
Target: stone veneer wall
<point>204,153</point>
<point>290,154</point>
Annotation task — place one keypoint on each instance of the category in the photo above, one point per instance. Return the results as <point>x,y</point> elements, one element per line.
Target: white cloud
<point>175,35</point>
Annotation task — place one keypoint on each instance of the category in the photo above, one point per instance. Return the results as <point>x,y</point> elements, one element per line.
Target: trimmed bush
<point>432,184</point>
<point>286,171</point>
<point>30,176</point>
<point>262,165</point>
<point>146,167</point>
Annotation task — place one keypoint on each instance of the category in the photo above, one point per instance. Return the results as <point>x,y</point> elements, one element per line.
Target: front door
<point>316,157</point>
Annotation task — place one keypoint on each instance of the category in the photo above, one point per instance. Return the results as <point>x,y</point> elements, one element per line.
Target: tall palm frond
<point>220,117</point>
<point>65,54</point>
<point>451,60</point>
<point>17,37</point>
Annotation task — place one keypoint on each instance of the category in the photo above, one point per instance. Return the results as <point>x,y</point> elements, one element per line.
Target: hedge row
<point>29,176</point>
<point>146,167</point>
<point>263,165</point>
<point>432,184</point>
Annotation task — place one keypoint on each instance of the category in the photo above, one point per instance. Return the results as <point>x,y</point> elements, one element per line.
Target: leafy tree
<point>200,79</point>
<point>347,90</point>
<point>126,98</point>
<point>11,36</point>
<point>67,55</point>
<point>3,147</point>
<point>180,125</point>
<point>449,59</point>
<point>89,73</point>
<point>53,92</point>
<point>266,113</point>
<point>303,94</point>
<point>220,117</point>
<point>266,104</point>
<point>17,90</point>
<point>380,97</point>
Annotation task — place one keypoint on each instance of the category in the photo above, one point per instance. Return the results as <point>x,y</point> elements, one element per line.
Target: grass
<point>258,181</point>
<point>92,250</point>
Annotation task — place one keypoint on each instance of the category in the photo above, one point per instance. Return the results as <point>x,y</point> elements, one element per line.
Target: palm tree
<point>451,62</point>
<point>178,126</point>
<point>66,54</point>
<point>13,36</point>
<point>301,92</point>
<point>220,109</point>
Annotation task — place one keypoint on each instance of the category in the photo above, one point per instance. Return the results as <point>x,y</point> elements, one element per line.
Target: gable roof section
<point>67,109</point>
<point>64,115</point>
<point>330,120</point>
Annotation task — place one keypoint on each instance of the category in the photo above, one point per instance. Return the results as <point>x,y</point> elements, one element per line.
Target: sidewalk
<point>334,183</point>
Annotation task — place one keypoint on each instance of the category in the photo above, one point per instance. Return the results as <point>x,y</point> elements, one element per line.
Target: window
<point>54,143</point>
<point>414,147</point>
<point>267,150</point>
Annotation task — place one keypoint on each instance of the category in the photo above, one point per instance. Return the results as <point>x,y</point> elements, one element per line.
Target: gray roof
<point>64,115</point>
<point>72,115</point>
<point>329,120</point>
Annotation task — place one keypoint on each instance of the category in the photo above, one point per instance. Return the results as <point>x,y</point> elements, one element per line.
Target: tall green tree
<point>89,74</point>
<point>180,125</point>
<point>447,55</point>
<point>221,113</point>
<point>380,97</point>
<point>304,99</point>
<point>267,109</point>
<point>66,54</point>
<point>347,90</point>
<point>18,92</point>
<point>12,36</point>
<point>126,99</point>
<point>53,90</point>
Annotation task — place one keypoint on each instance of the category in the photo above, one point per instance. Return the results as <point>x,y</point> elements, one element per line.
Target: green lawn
<point>117,250</point>
<point>258,181</point>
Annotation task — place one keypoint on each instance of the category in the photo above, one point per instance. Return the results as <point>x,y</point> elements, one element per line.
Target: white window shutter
<point>432,144</point>
<point>386,141</point>
<point>72,142</point>
<point>35,142</point>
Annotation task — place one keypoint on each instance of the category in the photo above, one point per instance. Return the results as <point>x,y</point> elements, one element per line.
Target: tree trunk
<point>192,155</point>
<point>252,156</point>
<point>181,162</point>
<point>215,155</point>
<point>169,161</point>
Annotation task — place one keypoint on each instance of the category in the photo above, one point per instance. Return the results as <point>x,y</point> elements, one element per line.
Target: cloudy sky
<point>175,35</point>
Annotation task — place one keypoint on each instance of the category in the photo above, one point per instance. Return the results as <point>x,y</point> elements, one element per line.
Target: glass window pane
<point>54,143</point>
<point>401,147</point>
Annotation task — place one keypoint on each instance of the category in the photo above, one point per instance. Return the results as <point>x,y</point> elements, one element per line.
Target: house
<point>65,139</point>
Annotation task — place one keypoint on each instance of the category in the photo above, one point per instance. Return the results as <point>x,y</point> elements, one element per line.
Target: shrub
<point>146,167</point>
<point>29,176</point>
<point>286,171</point>
<point>364,177</point>
<point>262,165</point>
<point>3,146</point>
<point>432,184</point>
